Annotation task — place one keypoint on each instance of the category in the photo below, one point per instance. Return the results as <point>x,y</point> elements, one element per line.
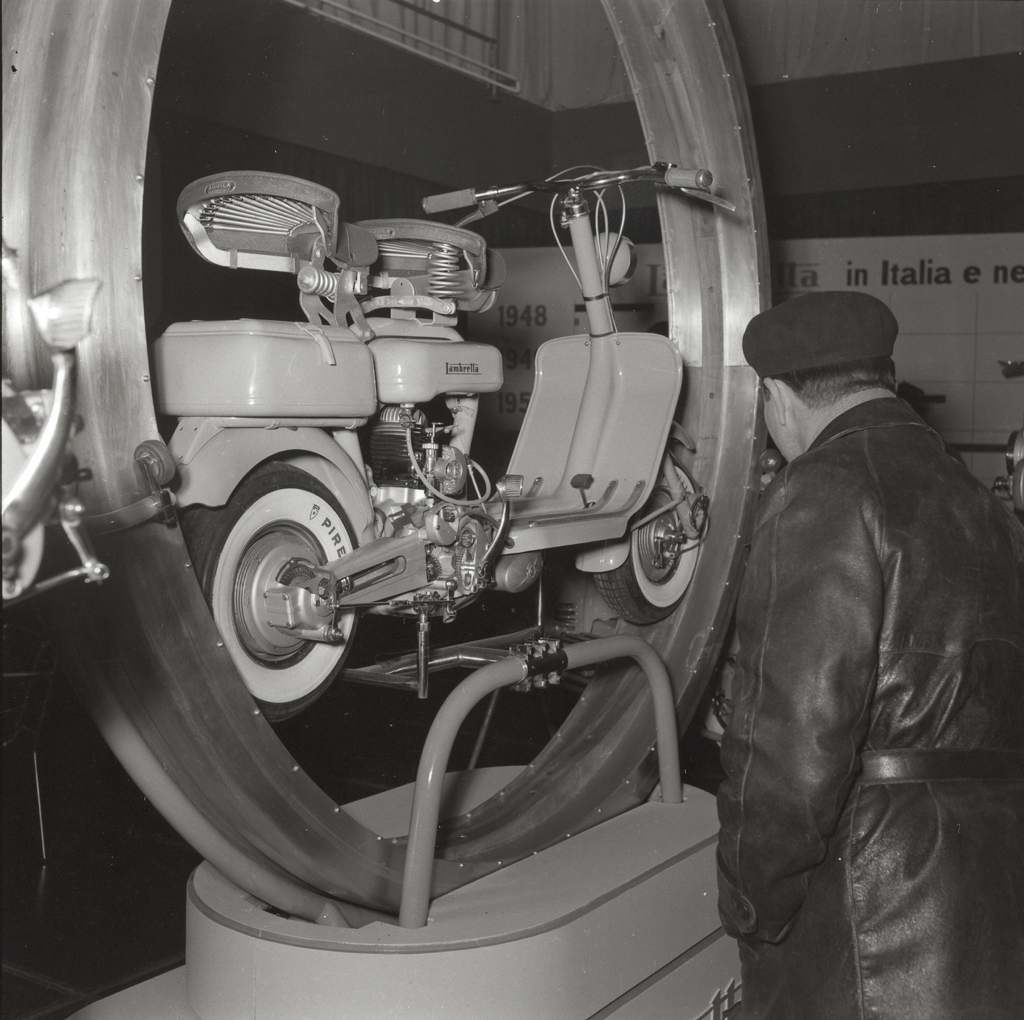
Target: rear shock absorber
<point>444,266</point>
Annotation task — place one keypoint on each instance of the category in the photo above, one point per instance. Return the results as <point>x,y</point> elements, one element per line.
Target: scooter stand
<point>403,671</point>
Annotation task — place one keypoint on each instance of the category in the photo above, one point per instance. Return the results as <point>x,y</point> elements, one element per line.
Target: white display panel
<point>959,300</point>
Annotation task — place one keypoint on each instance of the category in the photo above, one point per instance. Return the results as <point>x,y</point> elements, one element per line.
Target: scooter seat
<point>255,220</point>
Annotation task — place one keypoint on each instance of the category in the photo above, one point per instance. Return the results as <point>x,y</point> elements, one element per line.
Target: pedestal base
<point>618,921</point>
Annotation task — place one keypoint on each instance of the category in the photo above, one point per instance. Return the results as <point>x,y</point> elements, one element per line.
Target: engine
<point>419,487</point>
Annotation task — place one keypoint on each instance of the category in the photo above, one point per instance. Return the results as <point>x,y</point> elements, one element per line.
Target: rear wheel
<point>279,516</point>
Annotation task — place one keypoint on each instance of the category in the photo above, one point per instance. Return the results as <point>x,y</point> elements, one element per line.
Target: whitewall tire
<point>277,516</point>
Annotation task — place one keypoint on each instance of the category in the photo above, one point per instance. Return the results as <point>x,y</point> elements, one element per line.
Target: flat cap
<point>829,327</point>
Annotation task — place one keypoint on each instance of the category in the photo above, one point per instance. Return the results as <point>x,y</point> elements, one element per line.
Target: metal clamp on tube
<point>426,804</point>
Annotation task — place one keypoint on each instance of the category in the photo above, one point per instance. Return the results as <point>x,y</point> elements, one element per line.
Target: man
<point>871,855</point>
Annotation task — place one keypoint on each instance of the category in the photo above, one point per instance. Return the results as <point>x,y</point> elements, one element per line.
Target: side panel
<point>262,368</point>
<point>416,371</point>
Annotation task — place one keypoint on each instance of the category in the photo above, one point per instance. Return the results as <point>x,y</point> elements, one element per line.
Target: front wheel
<point>278,515</point>
<point>663,552</point>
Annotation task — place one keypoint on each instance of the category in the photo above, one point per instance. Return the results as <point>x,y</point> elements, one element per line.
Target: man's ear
<point>781,396</point>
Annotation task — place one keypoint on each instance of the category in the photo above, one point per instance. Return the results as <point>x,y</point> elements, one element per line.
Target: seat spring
<point>444,269</point>
<point>262,214</point>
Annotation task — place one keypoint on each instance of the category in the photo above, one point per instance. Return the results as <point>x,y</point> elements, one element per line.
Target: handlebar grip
<point>677,177</point>
<point>449,200</point>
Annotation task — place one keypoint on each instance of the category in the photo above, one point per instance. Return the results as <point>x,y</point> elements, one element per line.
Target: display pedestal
<point>619,921</point>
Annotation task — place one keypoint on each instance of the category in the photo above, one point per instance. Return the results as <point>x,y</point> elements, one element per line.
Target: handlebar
<point>695,181</point>
<point>449,200</point>
<point>675,177</point>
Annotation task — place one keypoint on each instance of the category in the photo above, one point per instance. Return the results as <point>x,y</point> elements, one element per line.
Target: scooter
<point>325,467</point>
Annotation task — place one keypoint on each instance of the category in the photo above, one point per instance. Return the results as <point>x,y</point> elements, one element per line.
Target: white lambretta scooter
<point>314,479</point>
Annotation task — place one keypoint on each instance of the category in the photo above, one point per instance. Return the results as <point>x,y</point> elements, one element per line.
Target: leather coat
<point>882,610</point>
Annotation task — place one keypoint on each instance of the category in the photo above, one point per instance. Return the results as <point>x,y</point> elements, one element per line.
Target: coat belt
<point>917,766</point>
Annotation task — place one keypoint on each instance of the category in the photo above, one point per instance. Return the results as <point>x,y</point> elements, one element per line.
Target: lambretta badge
<point>219,187</point>
<point>314,511</point>
<point>461,368</point>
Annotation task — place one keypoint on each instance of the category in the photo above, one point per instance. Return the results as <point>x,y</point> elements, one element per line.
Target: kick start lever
<point>582,483</point>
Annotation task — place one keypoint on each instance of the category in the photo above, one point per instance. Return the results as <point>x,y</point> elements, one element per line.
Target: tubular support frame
<point>426,804</point>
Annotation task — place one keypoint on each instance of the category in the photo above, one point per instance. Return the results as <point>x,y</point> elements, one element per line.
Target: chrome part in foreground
<point>37,429</point>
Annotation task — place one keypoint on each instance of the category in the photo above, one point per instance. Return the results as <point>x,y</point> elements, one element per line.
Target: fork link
<point>422,653</point>
<point>668,546</point>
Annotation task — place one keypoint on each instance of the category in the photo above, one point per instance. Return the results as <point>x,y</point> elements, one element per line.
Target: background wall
<point>546,44</point>
<point>882,118</point>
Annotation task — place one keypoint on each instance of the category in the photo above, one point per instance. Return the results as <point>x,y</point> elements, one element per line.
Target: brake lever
<point>485,208</point>
<point>707,196</point>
